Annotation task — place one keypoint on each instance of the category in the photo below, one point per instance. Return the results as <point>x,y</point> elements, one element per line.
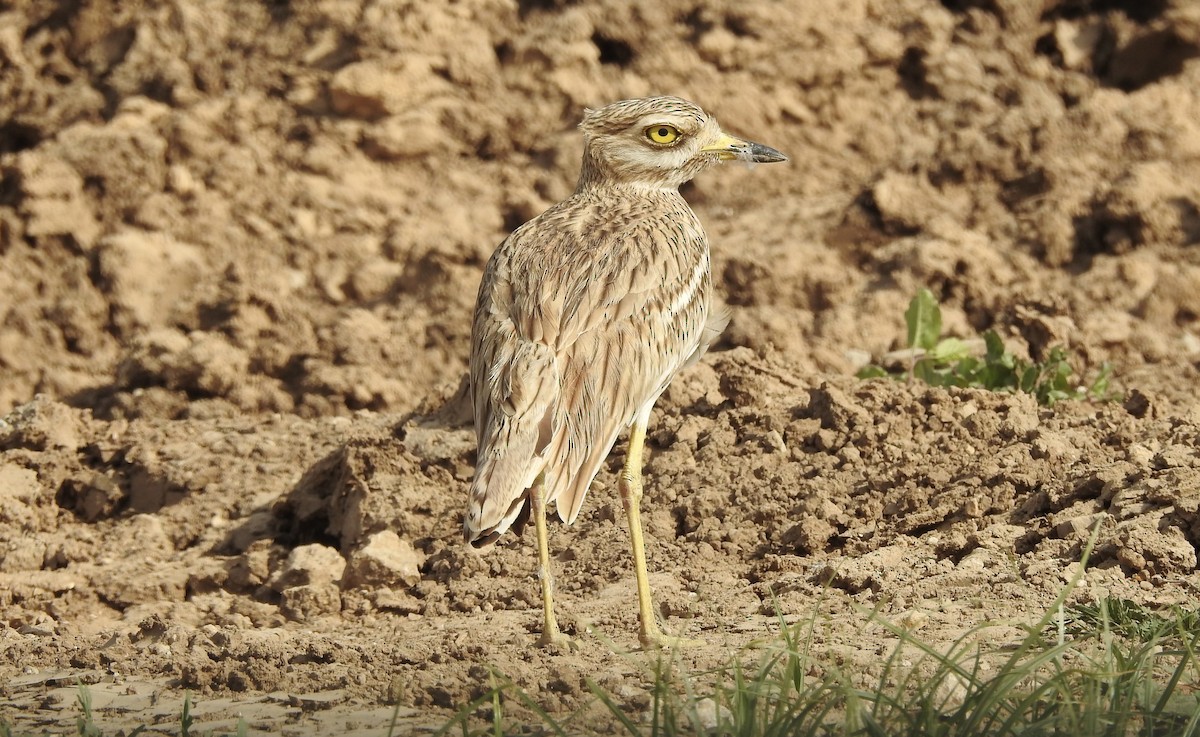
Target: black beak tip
<point>765,154</point>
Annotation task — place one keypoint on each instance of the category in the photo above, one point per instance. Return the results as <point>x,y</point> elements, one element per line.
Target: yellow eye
<point>663,133</point>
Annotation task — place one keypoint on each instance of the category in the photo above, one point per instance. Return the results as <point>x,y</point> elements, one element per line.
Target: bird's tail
<point>718,319</point>
<point>500,495</point>
<point>514,427</point>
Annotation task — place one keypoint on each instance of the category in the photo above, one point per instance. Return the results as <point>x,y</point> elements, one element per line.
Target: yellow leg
<point>551,635</point>
<point>631,496</point>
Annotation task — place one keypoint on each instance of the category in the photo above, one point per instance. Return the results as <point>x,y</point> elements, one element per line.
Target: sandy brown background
<point>239,247</point>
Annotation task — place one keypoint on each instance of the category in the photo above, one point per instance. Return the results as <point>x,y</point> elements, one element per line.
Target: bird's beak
<point>728,147</point>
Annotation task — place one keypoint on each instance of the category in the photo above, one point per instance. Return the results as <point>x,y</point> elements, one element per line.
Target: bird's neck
<point>598,176</point>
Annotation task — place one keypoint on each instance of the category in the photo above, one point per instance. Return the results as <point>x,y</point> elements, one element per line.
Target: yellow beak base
<point>728,147</point>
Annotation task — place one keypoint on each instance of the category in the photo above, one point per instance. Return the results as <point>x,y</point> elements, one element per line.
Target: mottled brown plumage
<point>585,314</point>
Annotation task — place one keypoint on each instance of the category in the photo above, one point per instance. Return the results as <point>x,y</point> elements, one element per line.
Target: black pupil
<point>663,132</point>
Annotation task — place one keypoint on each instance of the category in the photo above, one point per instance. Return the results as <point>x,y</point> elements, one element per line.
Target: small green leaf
<point>924,319</point>
<point>949,350</point>
<point>1029,379</point>
<point>967,369</point>
<point>995,346</point>
<point>1100,386</point>
<point>871,372</point>
<point>925,371</point>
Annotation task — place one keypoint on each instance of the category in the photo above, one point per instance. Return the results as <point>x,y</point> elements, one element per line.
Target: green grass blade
<point>391,724</point>
<point>463,714</point>
<point>497,710</point>
<point>613,708</point>
<point>520,695</point>
<point>185,720</point>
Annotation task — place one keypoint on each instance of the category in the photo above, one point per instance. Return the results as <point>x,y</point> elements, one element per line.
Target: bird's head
<point>658,143</point>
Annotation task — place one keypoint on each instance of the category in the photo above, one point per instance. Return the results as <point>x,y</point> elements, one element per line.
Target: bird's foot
<point>554,638</point>
<point>655,640</point>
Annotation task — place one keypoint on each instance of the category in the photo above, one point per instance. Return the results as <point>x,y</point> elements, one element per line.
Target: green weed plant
<point>949,361</point>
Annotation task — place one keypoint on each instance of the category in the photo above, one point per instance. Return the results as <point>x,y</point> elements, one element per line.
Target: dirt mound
<point>239,248</point>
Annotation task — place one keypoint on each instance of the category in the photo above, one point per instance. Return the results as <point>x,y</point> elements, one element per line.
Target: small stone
<point>712,715</point>
<point>309,565</point>
<point>18,483</point>
<point>43,424</point>
<point>1176,456</point>
<point>385,560</point>
<point>1139,455</point>
<point>913,619</point>
<point>1139,405</point>
<point>306,602</point>
<point>94,497</point>
<point>972,508</point>
<point>977,560</point>
<point>397,601</point>
<point>253,568</point>
<point>1078,527</point>
<point>952,691</point>
<point>147,491</point>
<point>1131,559</point>
<point>809,535</point>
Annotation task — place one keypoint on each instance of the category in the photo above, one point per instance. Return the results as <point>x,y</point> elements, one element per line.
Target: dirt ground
<point>239,248</point>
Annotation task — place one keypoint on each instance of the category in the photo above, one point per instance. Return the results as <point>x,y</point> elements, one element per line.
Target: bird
<point>584,315</point>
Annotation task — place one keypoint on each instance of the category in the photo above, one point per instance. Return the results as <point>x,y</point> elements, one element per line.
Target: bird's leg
<point>631,497</point>
<point>551,635</point>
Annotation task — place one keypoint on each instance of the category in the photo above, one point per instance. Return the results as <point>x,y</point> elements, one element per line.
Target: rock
<point>253,568</point>
<point>809,535</point>
<point>1144,546</point>
<point>198,362</point>
<point>146,272</point>
<point>309,565</point>
<point>1078,527</point>
<point>92,497</point>
<point>411,135</point>
<point>147,491</point>
<point>1055,446</point>
<point>913,619</point>
<point>369,90</point>
<point>400,602</point>
<point>211,364</point>
<point>1177,456</point>
<point>126,157</point>
<point>19,491</point>
<point>310,601</point>
<point>385,560</point>
<point>42,424</point>
<point>1139,405</point>
<point>1077,41</point>
<point>54,202</point>
<point>907,201</point>
<point>22,555</point>
<point>712,716</point>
